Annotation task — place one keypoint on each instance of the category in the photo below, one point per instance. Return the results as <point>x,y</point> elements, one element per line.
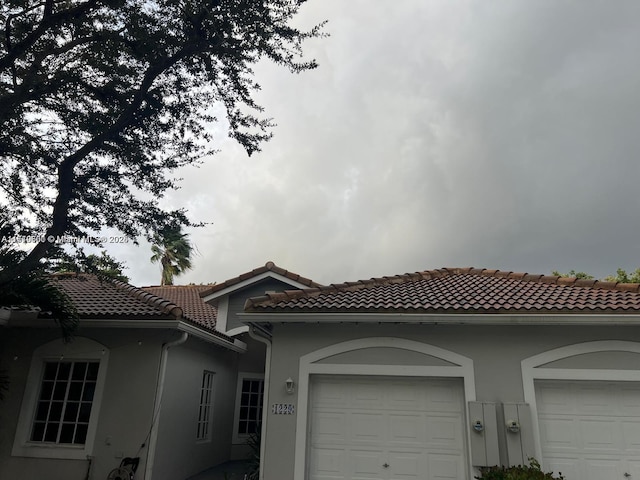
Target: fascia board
<point>250,281</point>
<point>448,319</point>
<point>100,323</point>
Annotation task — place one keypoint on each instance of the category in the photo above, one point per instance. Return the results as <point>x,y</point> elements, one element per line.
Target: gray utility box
<point>484,434</point>
<point>518,428</point>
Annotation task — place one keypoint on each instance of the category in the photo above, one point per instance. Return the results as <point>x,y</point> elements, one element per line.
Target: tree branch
<point>66,181</point>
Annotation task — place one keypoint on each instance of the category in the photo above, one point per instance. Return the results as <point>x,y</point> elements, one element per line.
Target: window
<point>248,417</point>
<point>64,402</point>
<point>204,412</point>
<point>61,403</point>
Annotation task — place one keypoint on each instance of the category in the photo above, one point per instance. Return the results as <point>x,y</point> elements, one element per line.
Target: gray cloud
<point>490,134</point>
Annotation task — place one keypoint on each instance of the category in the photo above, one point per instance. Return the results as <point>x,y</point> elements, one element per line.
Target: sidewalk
<point>232,470</point>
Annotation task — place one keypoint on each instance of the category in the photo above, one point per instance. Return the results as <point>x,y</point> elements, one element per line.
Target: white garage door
<point>590,430</point>
<point>365,428</point>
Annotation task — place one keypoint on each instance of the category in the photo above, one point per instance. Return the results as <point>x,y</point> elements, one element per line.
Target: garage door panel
<point>558,435</point>
<point>406,465</point>
<point>329,427</point>
<point>631,436</point>
<point>444,432</point>
<point>602,470</point>
<point>367,428</point>
<point>367,396</point>
<point>367,463</point>
<point>445,467</point>
<point>443,397</point>
<point>330,395</point>
<point>405,429</point>
<point>600,435</point>
<point>329,464</point>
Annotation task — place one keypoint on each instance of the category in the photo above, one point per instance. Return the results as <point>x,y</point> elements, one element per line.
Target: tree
<point>173,250</point>
<point>622,276</point>
<point>573,274</point>
<point>104,266</point>
<point>101,100</point>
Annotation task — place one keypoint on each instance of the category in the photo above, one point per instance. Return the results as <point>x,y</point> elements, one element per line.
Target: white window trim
<point>533,369</point>
<point>463,368</point>
<point>80,349</point>
<point>207,438</point>
<point>242,438</point>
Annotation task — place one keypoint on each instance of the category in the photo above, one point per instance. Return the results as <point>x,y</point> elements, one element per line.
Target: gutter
<point>157,405</point>
<point>261,335</point>
<point>568,318</point>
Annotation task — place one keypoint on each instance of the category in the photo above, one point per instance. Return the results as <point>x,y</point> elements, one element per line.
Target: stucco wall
<point>179,455</point>
<point>127,402</point>
<point>496,352</point>
<point>238,299</point>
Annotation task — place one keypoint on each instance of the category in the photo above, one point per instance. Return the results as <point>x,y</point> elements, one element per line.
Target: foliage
<point>254,443</point>
<point>520,472</point>
<point>104,266</point>
<point>172,249</point>
<point>33,289</point>
<point>4,383</point>
<point>102,100</point>
<point>623,277</point>
<point>573,274</point>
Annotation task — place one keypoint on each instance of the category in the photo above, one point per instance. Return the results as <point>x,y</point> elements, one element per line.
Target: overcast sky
<point>434,133</point>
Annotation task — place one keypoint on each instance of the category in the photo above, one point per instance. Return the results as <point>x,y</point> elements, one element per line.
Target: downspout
<point>153,434</point>
<point>265,338</point>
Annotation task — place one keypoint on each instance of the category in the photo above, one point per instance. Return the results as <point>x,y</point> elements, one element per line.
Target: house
<point>434,374</point>
<point>153,373</point>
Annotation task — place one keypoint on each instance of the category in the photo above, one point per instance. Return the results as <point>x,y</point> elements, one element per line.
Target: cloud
<point>491,134</point>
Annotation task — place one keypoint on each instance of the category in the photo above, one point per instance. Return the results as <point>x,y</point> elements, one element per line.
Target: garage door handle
<point>386,465</point>
<point>627,474</point>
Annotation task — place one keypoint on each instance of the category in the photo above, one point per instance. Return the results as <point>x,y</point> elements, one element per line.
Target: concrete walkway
<point>233,470</point>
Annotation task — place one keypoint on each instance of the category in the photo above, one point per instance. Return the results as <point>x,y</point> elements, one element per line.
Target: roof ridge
<point>162,304</point>
<point>267,267</point>
<point>557,280</point>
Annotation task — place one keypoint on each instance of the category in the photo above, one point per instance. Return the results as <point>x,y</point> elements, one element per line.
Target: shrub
<point>520,472</point>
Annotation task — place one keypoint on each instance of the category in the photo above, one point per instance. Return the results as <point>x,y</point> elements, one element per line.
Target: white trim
<point>80,349</point>
<point>308,367</point>
<point>222,314</point>
<point>236,438</point>
<point>531,371</point>
<point>577,318</point>
<point>237,331</point>
<point>252,280</point>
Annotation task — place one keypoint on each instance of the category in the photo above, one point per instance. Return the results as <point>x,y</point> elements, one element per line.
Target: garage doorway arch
<point>459,367</point>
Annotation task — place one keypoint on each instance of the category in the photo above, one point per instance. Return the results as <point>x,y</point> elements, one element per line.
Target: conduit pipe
<point>153,435</point>
<point>265,338</point>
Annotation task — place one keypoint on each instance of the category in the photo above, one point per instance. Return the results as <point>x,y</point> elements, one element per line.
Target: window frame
<point>208,407</point>
<point>241,438</point>
<point>81,349</point>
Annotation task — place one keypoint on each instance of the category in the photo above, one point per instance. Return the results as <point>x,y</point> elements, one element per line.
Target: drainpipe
<point>264,337</point>
<point>153,435</point>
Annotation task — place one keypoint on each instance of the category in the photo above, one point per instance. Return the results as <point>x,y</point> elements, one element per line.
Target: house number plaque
<point>283,408</point>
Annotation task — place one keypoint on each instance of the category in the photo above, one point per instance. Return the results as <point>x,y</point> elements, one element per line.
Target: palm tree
<point>172,249</point>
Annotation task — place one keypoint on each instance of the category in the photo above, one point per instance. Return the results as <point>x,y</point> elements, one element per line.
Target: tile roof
<point>188,298</point>
<point>95,298</point>
<point>268,267</point>
<point>457,290</point>
<point>112,299</point>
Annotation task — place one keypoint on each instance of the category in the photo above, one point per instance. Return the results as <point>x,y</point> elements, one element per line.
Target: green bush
<point>520,472</point>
